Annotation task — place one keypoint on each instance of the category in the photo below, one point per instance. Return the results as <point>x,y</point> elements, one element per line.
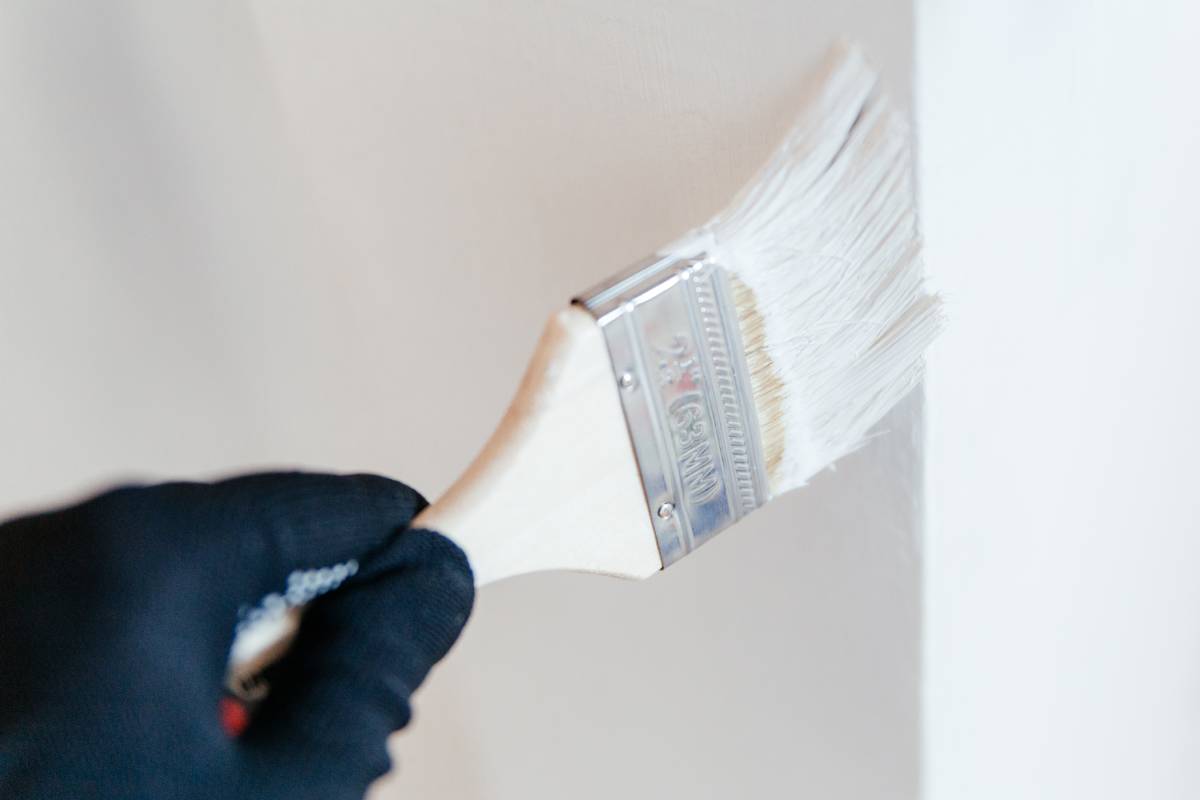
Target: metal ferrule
<point>680,368</point>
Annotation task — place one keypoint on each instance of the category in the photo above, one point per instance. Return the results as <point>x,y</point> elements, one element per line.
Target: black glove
<point>116,618</point>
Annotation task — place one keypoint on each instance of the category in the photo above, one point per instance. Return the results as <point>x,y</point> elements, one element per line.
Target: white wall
<point>329,238</point>
<point>1062,607</point>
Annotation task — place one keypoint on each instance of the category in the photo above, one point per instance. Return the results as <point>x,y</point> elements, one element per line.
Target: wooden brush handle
<point>556,486</point>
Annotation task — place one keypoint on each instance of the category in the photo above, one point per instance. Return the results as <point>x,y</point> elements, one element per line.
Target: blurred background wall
<point>291,233</point>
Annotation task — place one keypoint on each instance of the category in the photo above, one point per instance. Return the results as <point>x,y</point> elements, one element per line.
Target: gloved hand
<point>116,618</point>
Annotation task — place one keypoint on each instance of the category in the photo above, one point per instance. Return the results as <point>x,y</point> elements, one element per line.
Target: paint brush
<point>728,368</point>
<point>675,398</point>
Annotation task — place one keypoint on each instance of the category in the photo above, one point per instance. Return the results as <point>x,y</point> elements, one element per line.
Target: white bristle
<point>825,259</point>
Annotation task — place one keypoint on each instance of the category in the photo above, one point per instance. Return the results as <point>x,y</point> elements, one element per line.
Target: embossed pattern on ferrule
<point>679,365</point>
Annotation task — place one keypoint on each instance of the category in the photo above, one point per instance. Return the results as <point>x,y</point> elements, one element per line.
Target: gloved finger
<point>284,522</point>
<point>361,652</point>
<point>196,556</point>
<point>268,524</point>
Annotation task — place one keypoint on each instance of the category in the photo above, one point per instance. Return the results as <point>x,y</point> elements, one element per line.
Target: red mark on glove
<point>234,716</point>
